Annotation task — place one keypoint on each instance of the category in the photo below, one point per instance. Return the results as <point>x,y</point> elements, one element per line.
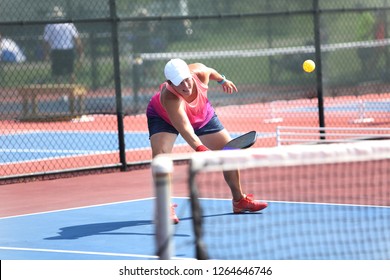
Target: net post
<point>162,168</point>
<point>197,220</point>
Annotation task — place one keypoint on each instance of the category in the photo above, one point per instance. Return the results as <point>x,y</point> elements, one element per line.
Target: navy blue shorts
<point>62,61</point>
<point>157,124</point>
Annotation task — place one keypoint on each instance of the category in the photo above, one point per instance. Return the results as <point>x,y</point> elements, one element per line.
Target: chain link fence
<point>80,105</point>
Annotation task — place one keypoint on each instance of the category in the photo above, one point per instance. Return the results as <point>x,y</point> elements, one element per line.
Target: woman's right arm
<point>179,119</point>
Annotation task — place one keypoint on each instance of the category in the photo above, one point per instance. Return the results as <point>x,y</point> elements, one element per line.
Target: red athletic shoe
<point>248,204</point>
<point>174,218</point>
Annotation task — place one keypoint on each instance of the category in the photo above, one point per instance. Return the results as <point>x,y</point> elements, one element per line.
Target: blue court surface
<point>51,144</point>
<point>126,231</point>
<point>36,145</point>
<point>368,106</point>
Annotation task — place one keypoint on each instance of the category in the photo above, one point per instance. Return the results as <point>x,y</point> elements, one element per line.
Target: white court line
<point>79,252</point>
<point>75,208</point>
<point>60,151</point>
<point>308,202</point>
<point>187,198</point>
<point>60,157</point>
<point>138,255</point>
<point>88,253</point>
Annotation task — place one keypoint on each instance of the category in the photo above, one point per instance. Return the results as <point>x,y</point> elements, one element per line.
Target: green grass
<point>340,67</point>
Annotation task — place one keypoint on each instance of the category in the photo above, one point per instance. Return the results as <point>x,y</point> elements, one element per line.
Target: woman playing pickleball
<point>181,106</point>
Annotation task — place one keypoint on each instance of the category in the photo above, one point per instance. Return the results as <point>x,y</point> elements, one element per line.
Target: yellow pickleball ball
<point>309,66</point>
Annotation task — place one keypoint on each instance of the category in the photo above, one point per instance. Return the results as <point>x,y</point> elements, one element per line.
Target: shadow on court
<point>75,232</point>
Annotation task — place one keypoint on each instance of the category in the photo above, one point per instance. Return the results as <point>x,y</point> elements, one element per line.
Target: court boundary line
<point>62,131</point>
<point>188,198</point>
<point>83,153</point>
<point>81,252</point>
<point>306,202</point>
<point>58,151</point>
<point>90,153</point>
<point>77,252</point>
<point>76,208</point>
<point>87,253</point>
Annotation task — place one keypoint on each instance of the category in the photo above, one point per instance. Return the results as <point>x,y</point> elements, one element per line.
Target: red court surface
<point>37,196</point>
<point>63,193</point>
<point>346,111</point>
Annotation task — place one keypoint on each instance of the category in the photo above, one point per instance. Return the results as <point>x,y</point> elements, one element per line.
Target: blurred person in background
<point>62,43</point>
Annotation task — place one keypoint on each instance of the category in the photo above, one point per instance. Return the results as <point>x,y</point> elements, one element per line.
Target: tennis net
<point>316,135</point>
<point>325,202</point>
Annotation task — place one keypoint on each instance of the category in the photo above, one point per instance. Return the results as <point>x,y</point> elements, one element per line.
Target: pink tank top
<point>199,111</point>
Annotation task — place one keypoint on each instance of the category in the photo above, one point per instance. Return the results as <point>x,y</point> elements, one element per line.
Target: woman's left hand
<point>229,87</point>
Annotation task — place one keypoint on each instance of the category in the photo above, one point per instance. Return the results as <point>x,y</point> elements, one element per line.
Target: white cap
<point>176,70</point>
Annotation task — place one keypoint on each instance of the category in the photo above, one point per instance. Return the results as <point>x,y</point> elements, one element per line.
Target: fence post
<point>317,40</point>
<point>117,80</point>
